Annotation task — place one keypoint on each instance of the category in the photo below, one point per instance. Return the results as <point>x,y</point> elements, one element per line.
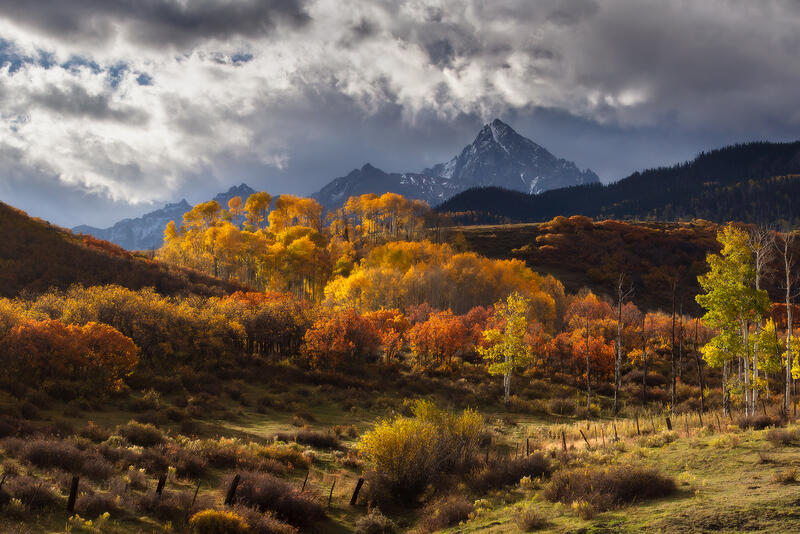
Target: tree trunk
<point>588,383</point>
<point>507,380</point>
<point>699,366</point>
<point>644,360</point>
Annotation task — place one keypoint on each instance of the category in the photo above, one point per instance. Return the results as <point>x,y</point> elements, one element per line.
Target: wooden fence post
<point>669,423</point>
<point>527,447</point>
<point>161,481</point>
<point>638,432</point>
<point>564,441</point>
<point>616,437</point>
<point>73,494</point>
<point>330,495</point>
<point>230,497</point>
<point>588,446</point>
<point>354,498</point>
<point>686,422</point>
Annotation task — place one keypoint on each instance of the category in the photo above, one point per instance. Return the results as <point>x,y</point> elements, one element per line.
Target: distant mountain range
<point>498,156</point>
<point>754,182</point>
<point>147,232</point>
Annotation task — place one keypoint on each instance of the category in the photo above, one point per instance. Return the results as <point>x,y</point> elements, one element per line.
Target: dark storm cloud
<point>77,102</point>
<point>156,23</point>
<point>614,85</point>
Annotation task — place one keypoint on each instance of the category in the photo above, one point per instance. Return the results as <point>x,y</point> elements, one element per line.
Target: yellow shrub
<point>217,522</point>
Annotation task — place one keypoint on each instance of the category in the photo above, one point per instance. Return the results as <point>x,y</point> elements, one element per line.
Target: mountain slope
<point>35,255</point>
<point>753,182</point>
<point>498,156</point>
<point>147,232</point>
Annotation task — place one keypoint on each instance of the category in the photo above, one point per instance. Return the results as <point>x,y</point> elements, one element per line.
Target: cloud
<point>151,100</point>
<point>156,23</point>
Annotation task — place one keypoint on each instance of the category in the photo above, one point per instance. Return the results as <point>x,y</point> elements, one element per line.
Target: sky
<point>111,108</point>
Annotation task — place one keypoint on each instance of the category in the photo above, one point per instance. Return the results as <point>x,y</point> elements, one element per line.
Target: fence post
<point>161,481</point>
<point>73,494</point>
<point>564,441</point>
<point>616,436</point>
<point>584,439</point>
<point>330,495</point>
<point>354,498</point>
<point>638,432</point>
<point>231,495</point>
<point>669,423</point>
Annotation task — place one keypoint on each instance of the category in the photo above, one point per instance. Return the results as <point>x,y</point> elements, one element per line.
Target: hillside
<point>585,253</point>
<point>754,183</point>
<point>35,255</point>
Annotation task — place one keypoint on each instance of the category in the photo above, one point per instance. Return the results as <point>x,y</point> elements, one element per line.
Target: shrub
<point>446,512</point>
<point>267,492</point>
<point>54,453</point>
<point>136,478</point>
<point>343,431</point>
<point>561,406</point>
<point>529,520</point>
<point>787,476</point>
<point>217,522</point>
<point>609,487</point>
<point>263,523</point>
<point>505,472</point>
<point>142,434</point>
<point>408,453</point>
<point>94,505</point>
<point>97,468</point>
<point>758,422</point>
<point>94,432</point>
<point>782,436</point>
<point>34,493</point>
<point>375,523</point>
<point>188,464</point>
<point>171,506</point>
<point>313,438</point>
<point>658,440</point>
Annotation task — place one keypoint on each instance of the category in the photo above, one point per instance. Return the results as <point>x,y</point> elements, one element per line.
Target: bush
<point>34,493</point>
<point>94,505</point>
<point>266,492</point>
<point>142,434</point>
<point>263,523</point>
<point>409,453</point>
<point>54,453</point>
<point>171,506</point>
<point>782,436</point>
<point>97,468</point>
<point>561,406</point>
<point>446,512</point>
<point>188,464</point>
<point>95,433</point>
<point>758,422</point>
<point>505,472</point>
<point>321,440</point>
<point>529,520</point>
<point>217,522</point>
<point>375,523</point>
<point>657,441</point>
<point>787,476</point>
<point>609,487</point>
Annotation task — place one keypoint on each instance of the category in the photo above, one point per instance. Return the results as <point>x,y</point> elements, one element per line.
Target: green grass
<point>725,480</point>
